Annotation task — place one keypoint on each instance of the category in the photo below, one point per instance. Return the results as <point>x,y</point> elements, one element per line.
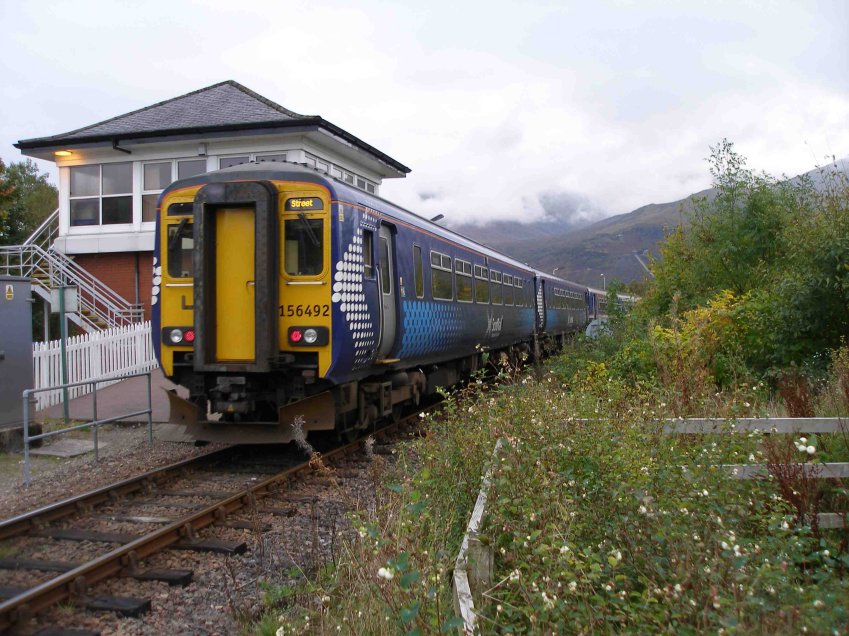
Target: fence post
<point>94,419</point>
<point>149,411</point>
<point>26,437</point>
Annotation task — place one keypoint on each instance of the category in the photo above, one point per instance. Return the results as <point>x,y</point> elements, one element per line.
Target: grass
<point>598,523</point>
<point>12,467</point>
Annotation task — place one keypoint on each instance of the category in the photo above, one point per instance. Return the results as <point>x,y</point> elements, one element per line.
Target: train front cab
<point>245,309</point>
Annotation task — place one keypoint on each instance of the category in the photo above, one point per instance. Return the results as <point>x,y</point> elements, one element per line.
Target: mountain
<point>583,254</point>
<point>614,248</point>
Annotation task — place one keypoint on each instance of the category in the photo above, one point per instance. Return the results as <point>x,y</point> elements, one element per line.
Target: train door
<point>235,286</point>
<point>591,315</point>
<point>235,304</point>
<point>540,303</point>
<point>386,281</point>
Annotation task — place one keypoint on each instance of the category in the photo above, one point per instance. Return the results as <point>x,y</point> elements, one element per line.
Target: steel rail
<point>34,519</point>
<point>74,582</point>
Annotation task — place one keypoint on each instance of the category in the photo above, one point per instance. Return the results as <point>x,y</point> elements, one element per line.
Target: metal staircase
<point>99,306</point>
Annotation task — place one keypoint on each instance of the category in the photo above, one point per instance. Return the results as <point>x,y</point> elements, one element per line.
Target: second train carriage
<point>282,295</point>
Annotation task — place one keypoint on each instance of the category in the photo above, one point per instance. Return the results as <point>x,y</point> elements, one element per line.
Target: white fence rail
<point>116,351</point>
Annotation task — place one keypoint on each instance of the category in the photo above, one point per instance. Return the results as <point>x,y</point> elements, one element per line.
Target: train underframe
<point>281,406</point>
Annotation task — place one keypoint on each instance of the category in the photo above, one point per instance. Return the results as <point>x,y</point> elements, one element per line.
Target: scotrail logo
<point>493,325</point>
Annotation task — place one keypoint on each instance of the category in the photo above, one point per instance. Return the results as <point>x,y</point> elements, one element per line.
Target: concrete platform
<point>67,447</point>
<point>127,396</point>
<point>12,437</point>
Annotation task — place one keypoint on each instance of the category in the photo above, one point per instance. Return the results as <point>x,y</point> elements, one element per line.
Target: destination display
<point>304,203</point>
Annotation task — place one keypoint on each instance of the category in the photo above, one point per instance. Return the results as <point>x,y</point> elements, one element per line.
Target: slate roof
<point>226,106</point>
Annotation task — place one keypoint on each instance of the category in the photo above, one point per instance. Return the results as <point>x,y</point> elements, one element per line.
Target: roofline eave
<point>307,124</point>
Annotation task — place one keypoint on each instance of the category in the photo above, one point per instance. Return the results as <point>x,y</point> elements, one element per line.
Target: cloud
<point>559,109</point>
<point>569,208</point>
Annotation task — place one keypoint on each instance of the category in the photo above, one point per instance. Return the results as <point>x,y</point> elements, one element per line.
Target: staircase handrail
<point>50,226</point>
<point>95,296</point>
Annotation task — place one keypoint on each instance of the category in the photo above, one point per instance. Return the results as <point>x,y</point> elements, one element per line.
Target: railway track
<point>114,531</point>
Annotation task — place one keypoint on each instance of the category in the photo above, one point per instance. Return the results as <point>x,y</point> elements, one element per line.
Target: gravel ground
<point>226,590</point>
<point>124,453</point>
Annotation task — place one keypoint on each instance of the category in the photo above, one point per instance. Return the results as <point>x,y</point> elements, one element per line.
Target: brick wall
<point>118,271</point>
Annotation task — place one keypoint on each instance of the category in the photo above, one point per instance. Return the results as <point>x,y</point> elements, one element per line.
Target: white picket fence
<point>112,352</point>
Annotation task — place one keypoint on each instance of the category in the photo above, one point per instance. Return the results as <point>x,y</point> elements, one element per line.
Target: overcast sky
<point>501,109</point>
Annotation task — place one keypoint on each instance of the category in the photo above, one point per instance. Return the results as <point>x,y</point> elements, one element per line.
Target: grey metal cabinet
<point>15,347</point>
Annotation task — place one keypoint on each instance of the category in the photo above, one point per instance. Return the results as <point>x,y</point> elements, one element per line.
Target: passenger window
<point>418,271</point>
<point>463,270</point>
<point>181,245</point>
<point>385,278</point>
<point>304,246</point>
<point>440,276</point>
<point>495,277</point>
<point>481,284</point>
<point>368,253</point>
<point>508,289</point>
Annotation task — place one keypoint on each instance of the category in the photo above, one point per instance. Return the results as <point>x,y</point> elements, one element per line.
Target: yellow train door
<point>235,287</point>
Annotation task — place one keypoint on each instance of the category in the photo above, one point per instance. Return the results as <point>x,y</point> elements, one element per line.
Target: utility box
<point>15,347</point>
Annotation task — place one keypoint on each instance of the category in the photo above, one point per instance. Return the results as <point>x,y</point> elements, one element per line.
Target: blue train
<point>284,298</point>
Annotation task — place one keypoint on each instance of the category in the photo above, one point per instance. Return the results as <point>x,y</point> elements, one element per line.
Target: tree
<point>777,252</point>
<point>26,199</point>
<point>736,238</point>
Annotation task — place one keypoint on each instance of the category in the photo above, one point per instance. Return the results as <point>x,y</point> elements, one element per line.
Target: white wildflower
<point>573,586</point>
<point>811,450</point>
<point>385,573</point>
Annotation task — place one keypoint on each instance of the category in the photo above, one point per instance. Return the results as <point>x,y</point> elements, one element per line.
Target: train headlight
<point>309,336</point>
<point>178,336</point>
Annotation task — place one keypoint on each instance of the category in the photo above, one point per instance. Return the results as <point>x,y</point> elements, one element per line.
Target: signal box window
<point>155,178</point>
<point>440,276</point>
<point>464,280</point>
<point>481,284</point>
<point>227,162</point>
<point>190,168</point>
<point>368,253</point>
<point>304,246</point>
<point>101,194</point>
<point>495,277</point>
<point>418,271</point>
<point>181,246</point>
